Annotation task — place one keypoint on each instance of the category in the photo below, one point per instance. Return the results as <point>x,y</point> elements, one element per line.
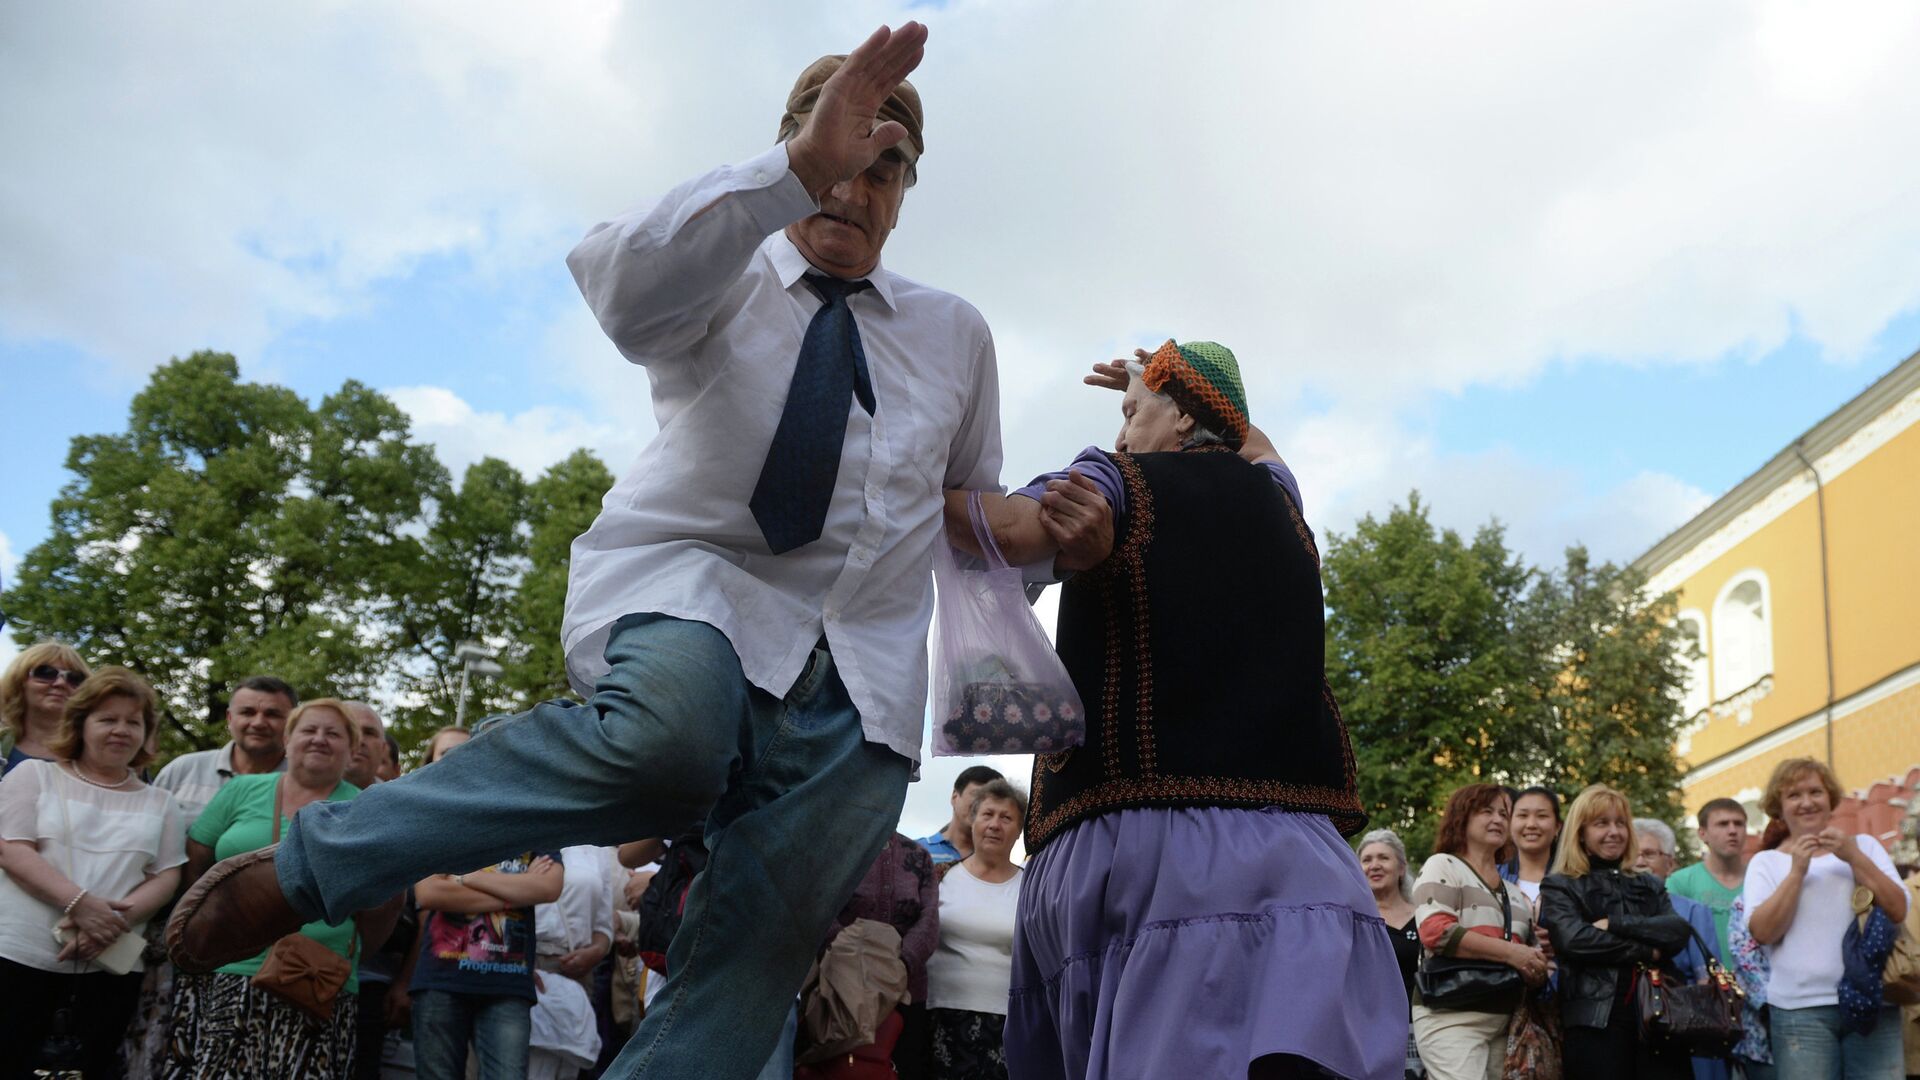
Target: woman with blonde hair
<point>33,696</point>
<point>89,854</point>
<point>224,1024</point>
<point>1800,901</point>
<point>1606,920</point>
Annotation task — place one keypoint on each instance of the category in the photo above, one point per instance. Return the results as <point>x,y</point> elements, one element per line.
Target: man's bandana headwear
<point>903,105</point>
<point>1203,378</point>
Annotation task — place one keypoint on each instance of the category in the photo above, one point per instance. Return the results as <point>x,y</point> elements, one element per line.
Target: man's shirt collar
<point>790,264</point>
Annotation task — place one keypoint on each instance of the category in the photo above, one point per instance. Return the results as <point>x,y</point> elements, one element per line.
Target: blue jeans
<point>780,1065</point>
<point>499,1028</point>
<point>1809,1044</point>
<point>797,805</point>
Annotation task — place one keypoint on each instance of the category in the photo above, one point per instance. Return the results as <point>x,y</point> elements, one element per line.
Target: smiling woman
<point>89,853</point>
<point>1801,899</point>
<point>33,693</point>
<point>226,1023</point>
<point>1606,920</point>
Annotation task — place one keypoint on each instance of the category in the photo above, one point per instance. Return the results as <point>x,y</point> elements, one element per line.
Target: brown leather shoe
<point>235,911</point>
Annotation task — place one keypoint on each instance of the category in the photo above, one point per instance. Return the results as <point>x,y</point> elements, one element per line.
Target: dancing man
<point>749,612</point>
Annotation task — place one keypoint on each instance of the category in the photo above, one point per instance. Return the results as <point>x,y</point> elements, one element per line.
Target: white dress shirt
<point>585,904</point>
<point>704,291</point>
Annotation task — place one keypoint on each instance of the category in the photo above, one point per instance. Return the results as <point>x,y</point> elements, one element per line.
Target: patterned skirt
<point>968,1045</point>
<point>222,1027</point>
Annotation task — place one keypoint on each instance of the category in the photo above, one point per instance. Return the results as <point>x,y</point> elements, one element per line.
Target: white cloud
<point>1376,202</point>
<point>1374,198</point>
<point>1355,462</point>
<point>529,440</point>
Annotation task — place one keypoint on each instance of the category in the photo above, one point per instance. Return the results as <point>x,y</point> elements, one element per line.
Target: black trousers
<point>371,1035</point>
<point>1615,1052</point>
<point>913,1054</point>
<point>101,1005</point>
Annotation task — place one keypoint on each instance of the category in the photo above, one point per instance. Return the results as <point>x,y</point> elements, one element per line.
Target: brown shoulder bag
<point>299,970</point>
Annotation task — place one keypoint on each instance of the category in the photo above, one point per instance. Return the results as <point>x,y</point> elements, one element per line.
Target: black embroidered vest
<point>1199,652</point>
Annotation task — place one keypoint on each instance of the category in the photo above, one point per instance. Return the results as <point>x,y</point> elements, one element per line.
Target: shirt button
<point>760,176</point>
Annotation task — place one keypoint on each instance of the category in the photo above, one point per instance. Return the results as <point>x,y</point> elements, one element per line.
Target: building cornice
<point>1785,470</point>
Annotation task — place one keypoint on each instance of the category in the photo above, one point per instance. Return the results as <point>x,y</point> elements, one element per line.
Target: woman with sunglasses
<point>33,694</point>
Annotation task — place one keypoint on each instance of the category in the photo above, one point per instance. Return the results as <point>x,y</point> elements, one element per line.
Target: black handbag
<point>1452,982</point>
<point>1698,1019</point>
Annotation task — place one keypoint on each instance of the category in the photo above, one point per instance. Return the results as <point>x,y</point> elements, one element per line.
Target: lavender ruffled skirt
<point>1190,942</point>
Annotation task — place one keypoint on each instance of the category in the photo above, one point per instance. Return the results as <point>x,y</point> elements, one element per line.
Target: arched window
<point>1698,692</point>
<point>1742,633</point>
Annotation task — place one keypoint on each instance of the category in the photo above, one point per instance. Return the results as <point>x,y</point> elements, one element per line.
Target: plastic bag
<point>998,687</point>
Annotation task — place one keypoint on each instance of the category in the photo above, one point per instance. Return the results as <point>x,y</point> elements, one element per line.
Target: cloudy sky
<point>1579,266</point>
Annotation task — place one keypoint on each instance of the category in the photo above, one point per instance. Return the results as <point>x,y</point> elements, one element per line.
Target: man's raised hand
<point>841,138</point>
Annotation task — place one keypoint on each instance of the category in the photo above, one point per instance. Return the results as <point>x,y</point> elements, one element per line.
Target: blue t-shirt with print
<point>488,955</point>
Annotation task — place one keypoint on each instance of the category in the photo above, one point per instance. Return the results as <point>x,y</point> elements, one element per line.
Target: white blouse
<point>973,966</point>
<point>107,841</point>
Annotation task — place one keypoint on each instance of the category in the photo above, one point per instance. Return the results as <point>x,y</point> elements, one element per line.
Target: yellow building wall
<point>1878,741</point>
<point>1873,536</point>
<point>1874,545</point>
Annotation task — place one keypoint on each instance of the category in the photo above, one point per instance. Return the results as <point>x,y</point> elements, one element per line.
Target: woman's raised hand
<point>1840,842</point>
<point>1802,849</point>
<point>1112,374</point>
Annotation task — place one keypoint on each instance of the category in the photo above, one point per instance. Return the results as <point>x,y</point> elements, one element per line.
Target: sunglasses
<point>47,673</point>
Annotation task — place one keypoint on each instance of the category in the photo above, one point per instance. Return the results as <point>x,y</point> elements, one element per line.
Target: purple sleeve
<point>1284,477</point>
<point>1096,467</point>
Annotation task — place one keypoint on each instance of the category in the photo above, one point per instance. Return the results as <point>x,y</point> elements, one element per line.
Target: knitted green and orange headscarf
<point>1203,378</point>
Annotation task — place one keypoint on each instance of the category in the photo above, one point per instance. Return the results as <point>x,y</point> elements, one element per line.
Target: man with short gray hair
<point>1656,853</point>
<point>363,768</point>
<point>748,615</point>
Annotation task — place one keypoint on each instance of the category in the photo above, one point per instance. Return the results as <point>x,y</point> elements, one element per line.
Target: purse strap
<point>279,789</point>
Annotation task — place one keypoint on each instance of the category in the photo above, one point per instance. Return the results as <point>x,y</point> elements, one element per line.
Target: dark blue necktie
<point>796,482</point>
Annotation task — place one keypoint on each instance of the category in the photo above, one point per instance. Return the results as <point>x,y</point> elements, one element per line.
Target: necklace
<point>126,775</point>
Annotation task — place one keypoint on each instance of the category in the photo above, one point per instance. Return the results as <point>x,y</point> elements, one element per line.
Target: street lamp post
<point>474,658</point>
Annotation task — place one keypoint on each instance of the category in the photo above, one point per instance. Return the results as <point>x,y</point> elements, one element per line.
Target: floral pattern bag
<point>998,687</point>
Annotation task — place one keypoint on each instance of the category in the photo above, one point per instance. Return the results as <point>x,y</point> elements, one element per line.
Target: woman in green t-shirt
<point>223,1025</point>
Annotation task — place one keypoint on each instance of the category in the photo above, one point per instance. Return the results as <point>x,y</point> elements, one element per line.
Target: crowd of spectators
<point>537,966</point>
<point>1580,907</point>
<point>542,964</point>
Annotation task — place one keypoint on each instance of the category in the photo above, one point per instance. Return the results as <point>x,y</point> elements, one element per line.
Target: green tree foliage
<point>560,506</point>
<point>1606,707</point>
<point>233,529</point>
<point>462,589</point>
<point>1422,657</point>
<point>1454,662</point>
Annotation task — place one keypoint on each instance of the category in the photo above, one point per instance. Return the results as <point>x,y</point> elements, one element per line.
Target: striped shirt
<point>1450,901</point>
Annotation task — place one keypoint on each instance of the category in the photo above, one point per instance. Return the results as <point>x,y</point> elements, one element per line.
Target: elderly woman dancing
<point>1191,908</point>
